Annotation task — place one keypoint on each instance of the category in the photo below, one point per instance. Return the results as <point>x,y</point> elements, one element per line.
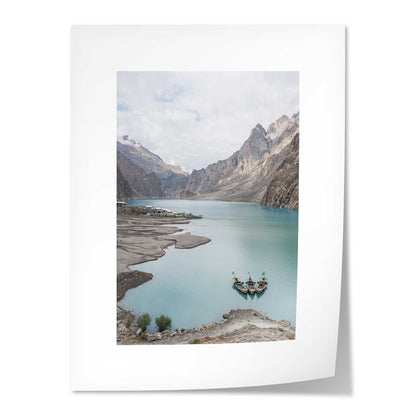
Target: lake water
<point>194,287</point>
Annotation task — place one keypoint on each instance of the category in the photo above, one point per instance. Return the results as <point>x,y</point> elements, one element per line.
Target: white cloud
<point>192,119</point>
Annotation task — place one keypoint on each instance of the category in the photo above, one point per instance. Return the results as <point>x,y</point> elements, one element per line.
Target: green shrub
<point>143,336</point>
<point>143,320</point>
<point>195,341</point>
<point>163,322</point>
<point>128,323</point>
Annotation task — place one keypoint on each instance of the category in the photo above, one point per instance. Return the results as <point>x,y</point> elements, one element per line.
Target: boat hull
<point>238,285</point>
<point>242,290</point>
<point>251,286</point>
<point>261,286</point>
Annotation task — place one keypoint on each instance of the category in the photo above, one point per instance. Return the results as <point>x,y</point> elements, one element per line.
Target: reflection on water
<point>194,287</point>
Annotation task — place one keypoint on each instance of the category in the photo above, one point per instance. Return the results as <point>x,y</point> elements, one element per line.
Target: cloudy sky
<point>192,119</point>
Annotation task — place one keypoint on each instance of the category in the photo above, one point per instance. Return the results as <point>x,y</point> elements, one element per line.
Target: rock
<point>154,337</point>
<point>139,331</point>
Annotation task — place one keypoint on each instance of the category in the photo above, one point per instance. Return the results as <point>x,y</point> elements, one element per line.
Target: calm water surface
<point>194,287</point>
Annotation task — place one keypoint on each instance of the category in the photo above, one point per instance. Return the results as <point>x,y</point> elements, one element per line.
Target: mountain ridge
<point>171,177</point>
<point>246,175</point>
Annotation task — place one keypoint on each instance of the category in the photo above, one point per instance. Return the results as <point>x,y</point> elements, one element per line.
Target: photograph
<point>207,206</point>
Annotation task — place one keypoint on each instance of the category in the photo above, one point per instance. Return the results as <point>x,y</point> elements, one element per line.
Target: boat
<point>251,285</point>
<point>239,285</point>
<point>261,284</point>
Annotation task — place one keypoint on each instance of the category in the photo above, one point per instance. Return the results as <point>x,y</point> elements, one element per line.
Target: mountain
<point>171,177</point>
<point>246,174</point>
<point>185,194</point>
<point>265,170</point>
<point>283,189</point>
<point>134,182</point>
<point>277,128</point>
<point>124,190</point>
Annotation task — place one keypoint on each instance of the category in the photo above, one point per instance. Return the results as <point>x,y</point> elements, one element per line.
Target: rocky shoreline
<point>237,326</point>
<point>130,280</point>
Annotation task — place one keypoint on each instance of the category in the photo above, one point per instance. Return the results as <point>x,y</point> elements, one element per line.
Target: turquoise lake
<point>194,287</point>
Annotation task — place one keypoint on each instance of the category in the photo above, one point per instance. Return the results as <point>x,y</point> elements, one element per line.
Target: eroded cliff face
<point>283,189</point>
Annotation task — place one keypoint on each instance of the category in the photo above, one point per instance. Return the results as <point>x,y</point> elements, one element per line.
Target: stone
<point>154,337</point>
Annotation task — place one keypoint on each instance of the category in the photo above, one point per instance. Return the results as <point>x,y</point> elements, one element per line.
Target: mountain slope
<point>134,182</point>
<point>283,189</point>
<point>124,190</point>
<point>246,174</point>
<point>171,177</point>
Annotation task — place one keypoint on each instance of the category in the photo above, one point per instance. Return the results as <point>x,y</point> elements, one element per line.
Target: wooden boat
<point>251,285</point>
<point>239,285</point>
<point>261,284</point>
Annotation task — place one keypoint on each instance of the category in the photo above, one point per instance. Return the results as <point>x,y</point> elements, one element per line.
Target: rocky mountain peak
<point>260,128</point>
<point>253,149</point>
<point>257,139</point>
<point>276,128</point>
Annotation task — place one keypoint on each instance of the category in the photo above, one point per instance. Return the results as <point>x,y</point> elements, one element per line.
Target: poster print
<point>207,207</point>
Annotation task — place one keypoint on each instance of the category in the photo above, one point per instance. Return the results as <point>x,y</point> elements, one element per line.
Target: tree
<point>163,322</point>
<point>143,320</point>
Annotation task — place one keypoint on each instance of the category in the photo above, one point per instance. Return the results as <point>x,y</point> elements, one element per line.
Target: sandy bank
<point>239,325</point>
<point>141,238</point>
